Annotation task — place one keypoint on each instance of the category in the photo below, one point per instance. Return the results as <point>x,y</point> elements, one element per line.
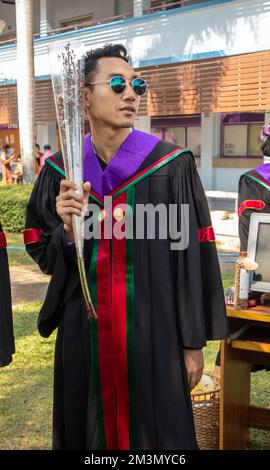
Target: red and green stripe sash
<point>259,180</point>
<point>132,181</point>
<point>112,287</point>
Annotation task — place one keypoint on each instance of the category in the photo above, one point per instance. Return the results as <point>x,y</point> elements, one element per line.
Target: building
<point>207,64</point>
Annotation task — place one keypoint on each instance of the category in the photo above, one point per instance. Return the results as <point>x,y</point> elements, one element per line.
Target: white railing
<point>89,23</point>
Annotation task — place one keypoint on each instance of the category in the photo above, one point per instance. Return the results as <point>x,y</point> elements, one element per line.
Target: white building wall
<point>7,13</point>
<point>226,179</point>
<point>236,27</point>
<point>72,8</point>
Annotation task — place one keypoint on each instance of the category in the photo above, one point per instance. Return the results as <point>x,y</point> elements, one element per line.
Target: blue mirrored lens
<point>118,84</point>
<point>139,86</point>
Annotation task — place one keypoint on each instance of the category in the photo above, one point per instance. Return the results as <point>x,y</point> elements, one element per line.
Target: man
<point>7,347</point>
<point>46,154</point>
<point>253,196</point>
<point>7,156</point>
<point>38,155</point>
<point>122,381</point>
<point>254,190</point>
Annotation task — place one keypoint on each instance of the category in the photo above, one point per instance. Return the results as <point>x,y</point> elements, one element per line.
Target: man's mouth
<point>129,109</point>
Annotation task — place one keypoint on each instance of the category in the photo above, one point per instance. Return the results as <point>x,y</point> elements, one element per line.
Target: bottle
<point>241,283</point>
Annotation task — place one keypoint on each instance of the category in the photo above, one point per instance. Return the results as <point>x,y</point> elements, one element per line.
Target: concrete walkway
<point>28,284</point>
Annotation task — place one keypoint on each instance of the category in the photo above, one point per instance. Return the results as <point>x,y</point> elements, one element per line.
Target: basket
<point>206,407</point>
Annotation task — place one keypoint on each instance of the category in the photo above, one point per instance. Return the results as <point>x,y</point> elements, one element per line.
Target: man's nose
<point>129,93</point>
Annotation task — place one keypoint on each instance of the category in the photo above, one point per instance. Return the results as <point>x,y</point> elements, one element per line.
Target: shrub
<point>13,202</point>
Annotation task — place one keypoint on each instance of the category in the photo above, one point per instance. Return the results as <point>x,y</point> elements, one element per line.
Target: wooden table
<point>249,344</point>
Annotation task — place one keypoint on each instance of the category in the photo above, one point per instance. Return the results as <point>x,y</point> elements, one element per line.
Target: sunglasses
<point>118,84</point>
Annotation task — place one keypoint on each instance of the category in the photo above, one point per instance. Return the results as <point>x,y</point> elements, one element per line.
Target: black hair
<point>6,147</point>
<point>109,50</point>
<point>265,147</point>
<point>37,146</point>
<point>47,147</point>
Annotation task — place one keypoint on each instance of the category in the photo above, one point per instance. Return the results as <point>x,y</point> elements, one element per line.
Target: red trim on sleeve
<point>3,240</point>
<point>250,204</point>
<point>32,235</point>
<point>206,234</point>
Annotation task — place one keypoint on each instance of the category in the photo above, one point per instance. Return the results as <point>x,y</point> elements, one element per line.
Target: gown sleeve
<point>201,308</point>
<point>7,347</point>
<point>45,243</point>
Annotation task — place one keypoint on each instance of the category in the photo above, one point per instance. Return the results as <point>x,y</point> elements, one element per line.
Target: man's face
<point>117,110</point>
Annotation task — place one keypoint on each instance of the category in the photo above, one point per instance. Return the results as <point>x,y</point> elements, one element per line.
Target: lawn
<point>17,257</point>
<point>26,386</point>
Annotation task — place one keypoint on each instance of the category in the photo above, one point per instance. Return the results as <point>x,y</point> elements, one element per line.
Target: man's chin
<point>124,125</point>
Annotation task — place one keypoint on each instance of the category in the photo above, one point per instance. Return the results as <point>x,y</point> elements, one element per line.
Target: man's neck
<point>106,142</point>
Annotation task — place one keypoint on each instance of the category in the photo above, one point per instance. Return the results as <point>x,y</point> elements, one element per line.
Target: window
<point>184,136</point>
<point>254,145</point>
<point>241,140</point>
<point>194,139</point>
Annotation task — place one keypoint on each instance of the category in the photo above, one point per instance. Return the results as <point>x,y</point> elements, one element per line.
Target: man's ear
<point>87,97</point>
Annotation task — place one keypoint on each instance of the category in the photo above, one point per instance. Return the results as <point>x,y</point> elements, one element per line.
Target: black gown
<point>7,347</point>
<point>257,196</point>
<point>174,301</point>
<point>253,196</point>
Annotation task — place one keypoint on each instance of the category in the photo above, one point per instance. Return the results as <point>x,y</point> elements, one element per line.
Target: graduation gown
<point>7,347</point>
<point>120,381</point>
<point>253,196</point>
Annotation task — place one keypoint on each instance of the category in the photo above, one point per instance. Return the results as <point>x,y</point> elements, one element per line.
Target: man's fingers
<point>69,203</point>
<point>70,194</point>
<point>86,191</point>
<point>65,185</point>
<point>87,187</point>
<point>65,211</point>
<point>194,379</point>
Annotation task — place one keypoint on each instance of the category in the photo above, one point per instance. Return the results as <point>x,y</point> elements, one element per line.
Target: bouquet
<point>67,72</point>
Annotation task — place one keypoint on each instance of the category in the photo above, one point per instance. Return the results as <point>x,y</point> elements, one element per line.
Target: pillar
<point>210,146</point>
<point>143,123</point>
<point>139,6</point>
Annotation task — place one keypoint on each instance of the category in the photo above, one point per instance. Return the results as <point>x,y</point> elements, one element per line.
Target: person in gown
<point>123,381</point>
<point>7,347</point>
<point>253,196</point>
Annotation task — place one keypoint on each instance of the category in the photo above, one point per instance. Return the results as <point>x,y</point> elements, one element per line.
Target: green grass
<point>17,257</point>
<point>26,386</point>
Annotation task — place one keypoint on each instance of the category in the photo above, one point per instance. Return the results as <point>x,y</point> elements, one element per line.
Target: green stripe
<point>130,325</point>
<point>100,203</point>
<point>137,180</point>
<point>258,181</point>
<point>94,347</point>
<point>149,172</point>
<point>56,167</point>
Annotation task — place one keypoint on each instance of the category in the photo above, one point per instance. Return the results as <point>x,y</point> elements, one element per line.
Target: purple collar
<point>264,171</point>
<point>123,165</point>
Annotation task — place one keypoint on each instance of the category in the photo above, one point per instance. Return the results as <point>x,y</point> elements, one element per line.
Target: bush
<point>13,202</point>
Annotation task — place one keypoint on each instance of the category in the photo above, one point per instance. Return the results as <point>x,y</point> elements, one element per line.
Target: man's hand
<point>68,202</point>
<point>194,366</point>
